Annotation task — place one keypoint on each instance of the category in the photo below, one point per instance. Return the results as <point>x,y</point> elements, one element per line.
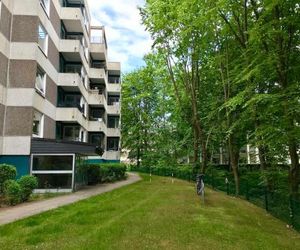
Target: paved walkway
<point>11,214</point>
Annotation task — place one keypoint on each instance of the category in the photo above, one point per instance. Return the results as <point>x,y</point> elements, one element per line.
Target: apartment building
<point>59,95</point>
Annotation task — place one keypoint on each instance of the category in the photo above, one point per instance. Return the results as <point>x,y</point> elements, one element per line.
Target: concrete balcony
<point>113,132</point>
<point>70,49</point>
<point>112,155</point>
<point>98,45</point>
<point>95,98</point>
<point>71,115</point>
<point>113,88</point>
<point>71,80</point>
<point>97,74</point>
<point>73,19</point>
<point>98,51</point>
<point>97,126</point>
<point>113,109</point>
<point>114,67</point>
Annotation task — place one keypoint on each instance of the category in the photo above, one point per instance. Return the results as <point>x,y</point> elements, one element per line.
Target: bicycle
<point>200,186</point>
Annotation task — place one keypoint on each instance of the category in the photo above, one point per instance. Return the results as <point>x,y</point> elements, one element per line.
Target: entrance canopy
<point>48,146</point>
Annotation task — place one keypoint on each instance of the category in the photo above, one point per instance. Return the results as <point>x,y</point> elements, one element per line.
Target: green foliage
<point>104,172</point>
<point>185,172</point>
<point>7,172</point>
<point>234,73</point>
<point>27,184</point>
<point>152,127</point>
<point>12,192</point>
<point>111,172</point>
<point>93,174</point>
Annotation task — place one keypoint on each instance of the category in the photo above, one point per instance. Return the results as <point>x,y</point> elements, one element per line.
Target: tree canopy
<point>223,74</point>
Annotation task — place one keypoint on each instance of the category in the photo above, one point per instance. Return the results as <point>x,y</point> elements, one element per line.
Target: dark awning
<point>49,146</point>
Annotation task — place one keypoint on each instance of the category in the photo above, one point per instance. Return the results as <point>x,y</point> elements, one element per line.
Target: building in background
<point>59,95</point>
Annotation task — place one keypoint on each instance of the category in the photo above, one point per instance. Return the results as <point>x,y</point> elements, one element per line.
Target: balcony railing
<point>97,35</point>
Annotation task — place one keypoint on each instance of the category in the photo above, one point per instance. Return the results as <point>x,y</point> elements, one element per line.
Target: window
<point>96,139</point>
<point>98,64</point>
<point>113,121</point>
<point>46,6</point>
<point>96,113</point>
<point>72,68</point>
<point>50,163</point>
<point>86,20</point>
<point>72,100</point>
<point>85,48</point>
<point>63,31</point>
<point>54,181</point>
<point>38,124</point>
<point>113,144</point>
<point>40,81</point>
<point>83,106</point>
<point>82,135</point>
<point>84,77</point>
<point>113,79</point>
<point>113,100</point>
<point>43,39</point>
<point>53,171</point>
<point>71,133</point>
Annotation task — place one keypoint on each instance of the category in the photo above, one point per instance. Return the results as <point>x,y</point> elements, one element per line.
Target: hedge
<point>104,172</point>
<point>185,172</point>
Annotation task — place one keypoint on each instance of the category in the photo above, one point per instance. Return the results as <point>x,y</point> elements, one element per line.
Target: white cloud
<point>127,39</point>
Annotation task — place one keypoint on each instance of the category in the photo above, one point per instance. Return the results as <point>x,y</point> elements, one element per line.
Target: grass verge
<point>156,214</point>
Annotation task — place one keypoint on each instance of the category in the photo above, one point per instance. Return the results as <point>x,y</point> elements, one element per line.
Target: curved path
<point>11,214</point>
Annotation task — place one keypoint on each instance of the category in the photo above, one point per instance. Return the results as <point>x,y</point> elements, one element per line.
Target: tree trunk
<point>204,157</point>
<point>138,157</point>
<point>196,146</point>
<point>262,157</point>
<point>234,161</point>
<point>294,174</point>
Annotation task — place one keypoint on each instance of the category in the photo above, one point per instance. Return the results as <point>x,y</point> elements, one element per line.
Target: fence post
<point>291,211</point>
<point>266,199</point>
<point>227,185</point>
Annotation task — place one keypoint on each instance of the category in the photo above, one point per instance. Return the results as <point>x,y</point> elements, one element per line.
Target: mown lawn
<point>152,215</point>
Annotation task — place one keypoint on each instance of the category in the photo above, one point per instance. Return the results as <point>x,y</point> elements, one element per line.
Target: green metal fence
<point>274,199</point>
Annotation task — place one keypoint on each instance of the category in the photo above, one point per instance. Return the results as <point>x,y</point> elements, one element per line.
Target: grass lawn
<point>152,215</point>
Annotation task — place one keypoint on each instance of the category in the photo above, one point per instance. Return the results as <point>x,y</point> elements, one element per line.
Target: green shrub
<point>12,192</point>
<point>100,173</point>
<point>27,183</point>
<point>112,172</point>
<point>93,174</point>
<point>7,172</point>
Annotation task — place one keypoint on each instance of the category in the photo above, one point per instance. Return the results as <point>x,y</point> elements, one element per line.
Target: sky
<point>127,39</point>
